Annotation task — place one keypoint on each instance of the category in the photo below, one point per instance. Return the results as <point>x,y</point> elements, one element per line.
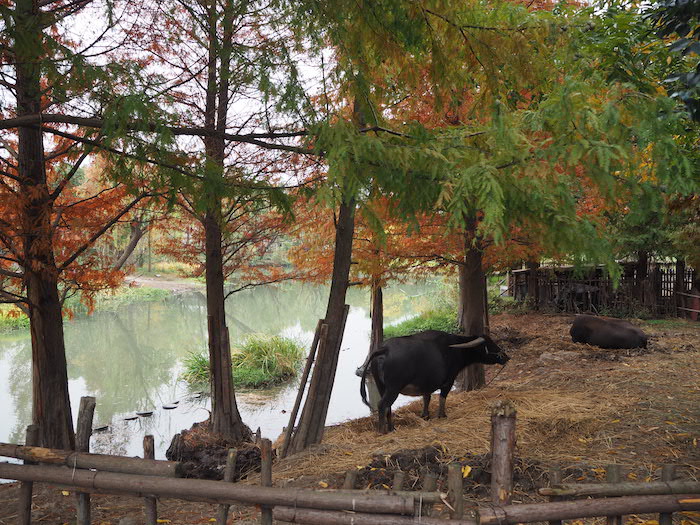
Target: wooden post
<point>350,479</point>
<point>668,473</point>
<point>229,473</point>
<point>429,485</point>
<point>455,491</point>
<point>613,476</point>
<point>399,478</point>
<point>266,477</point>
<point>320,333</point>
<point>502,451</point>
<point>555,477</point>
<point>149,501</point>
<point>24,511</point>
<point>82,444</point>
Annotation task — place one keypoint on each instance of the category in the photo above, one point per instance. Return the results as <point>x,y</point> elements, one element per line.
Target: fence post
<point>613,476</point>
<point>149,501</point>
<point>502,451</point>
<point>555,477</point>
<point>350,479</point>
<point>455,491</point>
<point>668,473</point>
<point>229,472</point>
<point>82,444</point>
<point>266,477</point>
<point>399,478</point>
<point>429,485</point>
<point>24,511</point>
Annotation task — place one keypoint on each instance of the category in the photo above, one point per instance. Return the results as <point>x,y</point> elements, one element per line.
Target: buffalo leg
<point>441,408</point>
<point>385,423</point>
<point>426,404</point>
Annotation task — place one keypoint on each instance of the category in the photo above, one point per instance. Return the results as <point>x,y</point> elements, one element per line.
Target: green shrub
<point>261,361</point>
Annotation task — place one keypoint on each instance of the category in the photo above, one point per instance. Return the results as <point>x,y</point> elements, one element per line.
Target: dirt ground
<point>579,407</point>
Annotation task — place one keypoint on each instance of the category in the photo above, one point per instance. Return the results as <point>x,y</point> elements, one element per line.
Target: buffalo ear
<point>470,344</point>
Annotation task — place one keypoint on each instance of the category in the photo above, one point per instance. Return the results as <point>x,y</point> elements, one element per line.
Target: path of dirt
<point>579,407</point>
<point>171,283</point>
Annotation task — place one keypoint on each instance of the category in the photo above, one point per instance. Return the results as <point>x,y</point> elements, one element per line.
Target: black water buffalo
<point>606,332</point>
<point>419,364</point>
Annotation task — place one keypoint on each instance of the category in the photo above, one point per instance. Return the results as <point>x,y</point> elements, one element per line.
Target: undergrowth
<point>260,361</point>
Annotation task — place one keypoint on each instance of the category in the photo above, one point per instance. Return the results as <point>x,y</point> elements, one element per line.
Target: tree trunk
<point>137,231</point>
<point>313,416</point>
<point>225,418</point>
<point>375,341</point>
<point>51,402</point>
<point>472,305</point>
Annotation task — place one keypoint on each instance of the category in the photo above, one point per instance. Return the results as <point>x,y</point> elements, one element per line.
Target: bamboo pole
<point>318,335</point>
<point>429,485</point>
<point>455,490</point>
<point>149,501</point>
<point>84,460</point>
<point>668,472</point>
<point>424,496</point>
<point>266,477</point>
<point>613,475</point>
<point>650,488</point>
<point>205,490</point>
<point>564,510</point>
<point>229,472</point>
<point>319,517</point>
<point>555,476</point>
<point>24,500</point>
<point>82,444</point>
<point>399,477</point>
<point>502,451</point>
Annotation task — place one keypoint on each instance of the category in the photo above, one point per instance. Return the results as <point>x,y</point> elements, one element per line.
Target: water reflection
<point>130,360</point>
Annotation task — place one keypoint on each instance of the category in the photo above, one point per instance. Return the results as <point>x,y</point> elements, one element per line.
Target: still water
<point>130,358</point>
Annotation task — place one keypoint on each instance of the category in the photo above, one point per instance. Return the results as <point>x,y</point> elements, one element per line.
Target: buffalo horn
<point>470,344</point>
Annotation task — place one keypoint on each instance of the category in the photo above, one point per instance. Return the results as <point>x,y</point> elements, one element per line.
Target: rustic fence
<point>659,289</point>
<point>149,478</point>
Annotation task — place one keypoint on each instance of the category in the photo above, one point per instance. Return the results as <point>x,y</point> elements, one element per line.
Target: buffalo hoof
<point>442,415</point>
<point>425,416</point>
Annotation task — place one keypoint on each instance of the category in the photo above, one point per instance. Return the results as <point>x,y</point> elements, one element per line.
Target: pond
<point>130,358</point>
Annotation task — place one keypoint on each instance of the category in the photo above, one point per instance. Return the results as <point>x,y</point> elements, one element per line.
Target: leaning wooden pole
<point>502,451</point>
<point>265,477</point>
<point>320,334</point>
<point>627,488</point>
<point>82,444</point>
<point>319,517</point>
<point>24,501</point>
<point>566,510</point>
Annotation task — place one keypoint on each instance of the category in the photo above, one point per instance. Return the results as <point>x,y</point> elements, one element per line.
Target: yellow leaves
<point>65,493</point>
<point>615,421</point>
<point>466,469</point>
<point>323,484</point>
<point>632,476</point>
<point>165,521</point>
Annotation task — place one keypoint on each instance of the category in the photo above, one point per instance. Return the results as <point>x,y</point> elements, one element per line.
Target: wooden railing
<point>149,478</point>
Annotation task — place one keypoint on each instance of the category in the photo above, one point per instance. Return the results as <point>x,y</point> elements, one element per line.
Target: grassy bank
<point>260,361</point>
<point>12,318</point>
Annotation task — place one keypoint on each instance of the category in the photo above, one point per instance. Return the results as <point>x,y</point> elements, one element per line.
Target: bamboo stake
<point>650,488</point>
<point>266,477</point>
<point>613,476</point>
<point>429,485</point>
<point>455,490</point>
<point>206,490</point>
<point>350,479</point>
<point>564,510</point>
<point>24,511</point>
<point>555,476</point>
<point>149,501</point>
<point>502,451</point>
<point>318,517</point>
<point>82,444</point>
<point>302,385</point>
<point>84,460</point>
<point>668,472</point>
<point>229,473</point>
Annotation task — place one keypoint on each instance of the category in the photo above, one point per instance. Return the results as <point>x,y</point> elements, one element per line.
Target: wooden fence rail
<point>149,478</point>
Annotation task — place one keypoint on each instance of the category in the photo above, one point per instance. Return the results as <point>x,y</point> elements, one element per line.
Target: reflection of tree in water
<point>20,386</point>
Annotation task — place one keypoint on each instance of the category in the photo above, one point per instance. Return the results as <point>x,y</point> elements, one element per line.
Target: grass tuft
<point>261,361</point>
<point>444,319</point>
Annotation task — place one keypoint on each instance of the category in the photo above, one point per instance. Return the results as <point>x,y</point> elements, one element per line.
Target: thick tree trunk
<point>313,416</point>
<point>376,339</point>
<point>225,418</point>
<point>472,306</point>
<point>51,402</point>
